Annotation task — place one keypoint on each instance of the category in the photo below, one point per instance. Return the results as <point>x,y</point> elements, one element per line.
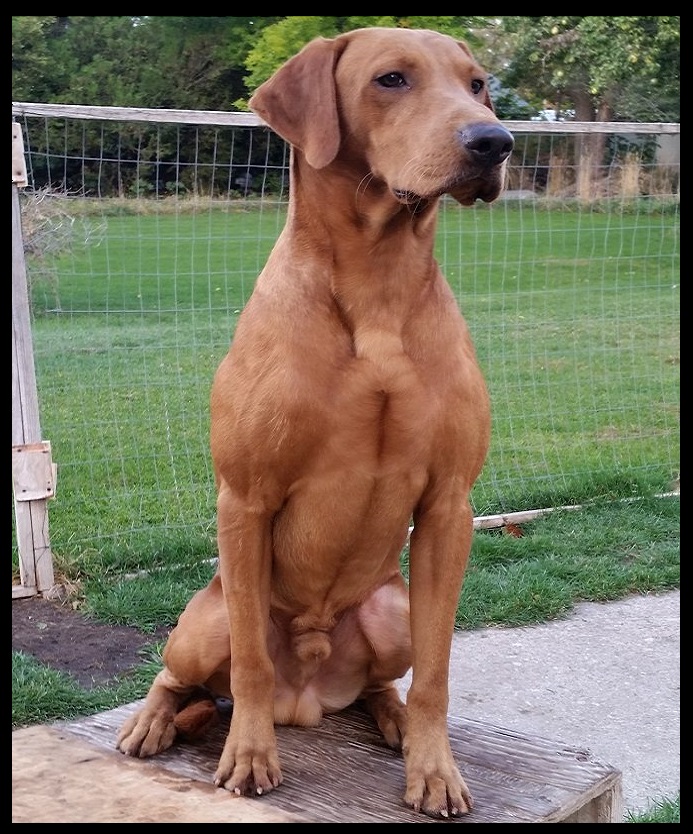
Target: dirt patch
<point>59,637</point>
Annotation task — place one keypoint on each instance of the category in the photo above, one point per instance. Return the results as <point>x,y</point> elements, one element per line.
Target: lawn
<point>575,315</point>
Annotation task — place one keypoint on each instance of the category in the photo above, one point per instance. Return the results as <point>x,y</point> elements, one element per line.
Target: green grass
<point>665,809</point>
<point>602,552</point>
<point>42,695</point>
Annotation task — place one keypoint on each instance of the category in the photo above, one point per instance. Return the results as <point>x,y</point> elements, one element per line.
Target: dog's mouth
<point>465,189</point>
<point>407,197</point>
<point>486,189</point>
<point>416,202</point>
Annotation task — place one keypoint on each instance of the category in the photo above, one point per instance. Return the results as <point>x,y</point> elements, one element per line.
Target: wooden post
<point>33,472</point>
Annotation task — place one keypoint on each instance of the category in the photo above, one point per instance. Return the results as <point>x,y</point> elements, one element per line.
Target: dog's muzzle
<point>485,148</point>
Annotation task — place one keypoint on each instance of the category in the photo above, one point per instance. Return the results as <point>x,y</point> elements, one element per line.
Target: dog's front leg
<point>439,551</point>
<point>249,763</point>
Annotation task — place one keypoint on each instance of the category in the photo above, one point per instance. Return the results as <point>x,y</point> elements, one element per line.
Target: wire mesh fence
<point>144,231</point>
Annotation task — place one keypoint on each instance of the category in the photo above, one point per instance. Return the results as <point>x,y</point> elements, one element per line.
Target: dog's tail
<point>196,717</point>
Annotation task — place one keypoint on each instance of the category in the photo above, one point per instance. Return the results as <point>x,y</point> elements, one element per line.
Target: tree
<point>200,60</point>
<point>599,68</point>
<point>194,63</point>
<point>35,76</point>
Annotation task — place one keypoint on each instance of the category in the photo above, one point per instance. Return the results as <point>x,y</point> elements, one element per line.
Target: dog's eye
<point>477,86</point>
<point>391,79</point>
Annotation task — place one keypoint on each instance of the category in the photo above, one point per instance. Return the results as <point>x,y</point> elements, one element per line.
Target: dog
<point>349,408</point>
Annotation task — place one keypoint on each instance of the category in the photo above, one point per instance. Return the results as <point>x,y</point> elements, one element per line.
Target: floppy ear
<point>299,102</point>
<point>487,98</point>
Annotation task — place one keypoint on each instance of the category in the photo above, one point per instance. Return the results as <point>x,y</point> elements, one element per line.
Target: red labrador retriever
<point>350,405</point>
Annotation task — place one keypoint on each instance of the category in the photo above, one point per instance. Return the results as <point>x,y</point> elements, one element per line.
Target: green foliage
<point>279,41</point>
<point>194,63</point>
<point>622,68</point>
<point>200,63</point>
<point>33,72</point>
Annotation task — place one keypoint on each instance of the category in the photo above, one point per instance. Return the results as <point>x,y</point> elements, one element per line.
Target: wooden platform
<point>341,771</point>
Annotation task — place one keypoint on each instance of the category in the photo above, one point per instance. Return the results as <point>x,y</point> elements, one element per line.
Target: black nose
<point>489,144</point>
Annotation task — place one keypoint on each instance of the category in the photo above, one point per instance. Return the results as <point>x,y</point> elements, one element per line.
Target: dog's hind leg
<point>390,714</point>
<point>154,728</point>
<point>384,620</point>
<point>180,700</point>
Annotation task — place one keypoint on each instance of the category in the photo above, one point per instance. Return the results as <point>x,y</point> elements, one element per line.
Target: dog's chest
<point>384,405</point>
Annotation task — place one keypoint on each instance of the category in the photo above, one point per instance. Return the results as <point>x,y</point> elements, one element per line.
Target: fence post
<point>33,472</point>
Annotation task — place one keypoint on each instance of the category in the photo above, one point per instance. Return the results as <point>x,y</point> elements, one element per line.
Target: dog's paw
<point>253,779</point>
<point>441,794</point>
<point>146,733</point>
<point>246,771</point>
<point>440,799</point>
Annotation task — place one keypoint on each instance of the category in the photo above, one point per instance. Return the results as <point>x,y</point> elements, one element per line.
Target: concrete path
<point>606,678</point>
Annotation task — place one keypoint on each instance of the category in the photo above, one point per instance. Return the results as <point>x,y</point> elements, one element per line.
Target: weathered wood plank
<point>31,517</point>
<point>57,777</point>
<point>342,771</point>
<point>651,128</point>
<point>19,177</point>
<point>22,592</point>
<point>32,471</point>
<point>138,114</point>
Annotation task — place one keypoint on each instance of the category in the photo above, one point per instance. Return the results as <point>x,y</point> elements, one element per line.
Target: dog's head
<point>409,107</point>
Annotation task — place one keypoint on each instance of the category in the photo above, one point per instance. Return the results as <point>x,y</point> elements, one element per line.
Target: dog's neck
<point>357,214</point>
<point>371,271</point>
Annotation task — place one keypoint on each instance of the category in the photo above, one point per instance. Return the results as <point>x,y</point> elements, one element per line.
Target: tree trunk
<point>589,149</point>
